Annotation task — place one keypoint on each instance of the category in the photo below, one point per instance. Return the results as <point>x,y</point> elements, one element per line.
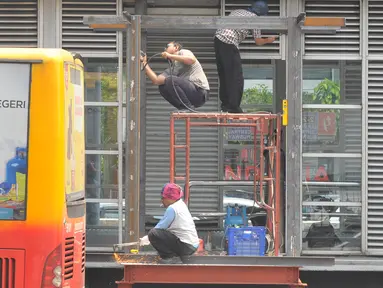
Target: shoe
<point>231,110</point>
<point>169,261</point>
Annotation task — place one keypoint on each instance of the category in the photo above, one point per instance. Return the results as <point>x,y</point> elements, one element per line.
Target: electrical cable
<point>171,67</point>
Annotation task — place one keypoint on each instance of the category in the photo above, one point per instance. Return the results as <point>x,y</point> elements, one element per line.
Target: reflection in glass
<point>332,130</point>
<point>332,169</point>
<point>330,227</point>
<point>101,128</point>
<point>332,192</point>
<point>101,80</point>
<point>337,82</point>
<point>104,232</point>
<point>102,176</point>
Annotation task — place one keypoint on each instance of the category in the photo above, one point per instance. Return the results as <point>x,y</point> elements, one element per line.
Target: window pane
<point>101,80</point>
<point>338,82</point>
<point>334,192</point>
<point>14,106</point>
<point>258,86</point>
<point>102,226</point>
<point>102,176</point>
<point>332,130</point>
<point>332,169</point>
<point>331,228</point>
<point>101,128</point>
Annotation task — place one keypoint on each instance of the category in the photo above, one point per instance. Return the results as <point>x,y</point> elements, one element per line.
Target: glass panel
<point>338,178</point>
<point>338,82</point>
<point>102,226</point>
<point>101,128</point>
<point>101,80</point>
<point>332,169</point>
<point>332,131</point>
<point>14,107</point>
<point>102,176</point>
<point>257,97</point>
<point>258,86</point>
<point>331,228</point>
<point>332,192</point>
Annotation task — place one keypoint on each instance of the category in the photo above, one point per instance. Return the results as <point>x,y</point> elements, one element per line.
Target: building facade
<point>342,115</point>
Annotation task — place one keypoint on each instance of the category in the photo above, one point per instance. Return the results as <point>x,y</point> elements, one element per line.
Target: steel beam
<point>150,259</point>
<point>180,274</point>
<point>293,139</point>
<point>269,24</point>
<point>132,152</point>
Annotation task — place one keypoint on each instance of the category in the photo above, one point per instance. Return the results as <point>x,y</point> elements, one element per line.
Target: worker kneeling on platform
<point>184,84</point>
<point>175,236</point>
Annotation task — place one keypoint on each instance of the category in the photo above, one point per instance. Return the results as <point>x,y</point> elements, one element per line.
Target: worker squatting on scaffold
<point>175,236</point>
<point>184,83</point>
<point>228,58</point>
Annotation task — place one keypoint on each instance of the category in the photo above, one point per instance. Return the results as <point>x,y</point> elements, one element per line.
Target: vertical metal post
<point>133,130</point>
<point>277,190</point>
<point>140,8</point>
<point>129,79</point>
<point>261,160</point>
<point>172,151</point>
<point>293,139</point>
<point>187,160</point>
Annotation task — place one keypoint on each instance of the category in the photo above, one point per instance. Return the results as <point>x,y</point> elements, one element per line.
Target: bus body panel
<point>47,226</point>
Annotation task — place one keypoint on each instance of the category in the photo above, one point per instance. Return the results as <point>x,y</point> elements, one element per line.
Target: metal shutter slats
<point>79,38</point>
<point>375,155</point>
<point>18,23</point>
<point>347,40</point>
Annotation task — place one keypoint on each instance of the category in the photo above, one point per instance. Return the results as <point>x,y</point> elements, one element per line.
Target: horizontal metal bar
<point>241,261</point>
<point>105,20</point>
<point>221,183</point>
<point>330,252</point>
<point>225,116</point>
<point>332,204</point>
<point>335,57</point>
<point>101,152</point>
<point>320,30</point>
<point>100,104</point>
<point>331,106</point>
<point>213,124</point>
<point>21,61</point>
<point>90,200</point>
<point>269,23</point>
<point>332,155</point>
<point>336,184</point>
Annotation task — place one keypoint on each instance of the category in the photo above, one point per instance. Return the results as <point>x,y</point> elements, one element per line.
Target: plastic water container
<point>246,241</point>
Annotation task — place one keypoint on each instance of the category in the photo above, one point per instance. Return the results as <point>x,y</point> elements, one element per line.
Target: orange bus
<point>42,160</point>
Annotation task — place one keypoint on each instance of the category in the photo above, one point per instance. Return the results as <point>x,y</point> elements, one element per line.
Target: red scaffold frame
<point>262,124</point>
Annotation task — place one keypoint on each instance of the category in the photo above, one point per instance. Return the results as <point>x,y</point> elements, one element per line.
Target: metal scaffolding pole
<point>132,152</point>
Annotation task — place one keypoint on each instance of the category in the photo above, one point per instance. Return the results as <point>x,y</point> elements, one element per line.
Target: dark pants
<point>168,245</point>
<point>189,93</point>
<point>230,75</point>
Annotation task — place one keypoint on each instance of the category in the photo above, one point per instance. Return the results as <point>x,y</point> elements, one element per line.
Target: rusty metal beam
<point>261,275</point>
<point>283,261</point>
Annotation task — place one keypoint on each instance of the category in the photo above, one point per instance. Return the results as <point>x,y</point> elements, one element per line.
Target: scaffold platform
<point>143,268</point>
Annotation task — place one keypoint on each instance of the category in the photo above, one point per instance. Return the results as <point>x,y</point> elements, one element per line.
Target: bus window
<point>14,123</point>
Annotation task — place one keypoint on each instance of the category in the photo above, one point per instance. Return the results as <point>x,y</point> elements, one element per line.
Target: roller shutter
<point>204,141</point>
<point>346,41</point>
<point>78,37</point>
<point>375,158</point>
<point>248,48</point>
<point>18,23</point>
<point>375,27</point>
